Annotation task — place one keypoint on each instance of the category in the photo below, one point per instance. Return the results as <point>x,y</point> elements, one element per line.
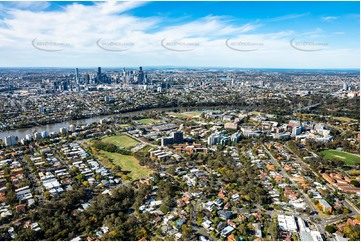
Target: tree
<point>80,177</point>
<point>10,197</point>
<point>273,230</point>
<point>164,208</point>
<point>330,229</point>
<point>355,183</point>
<point>186,231</point>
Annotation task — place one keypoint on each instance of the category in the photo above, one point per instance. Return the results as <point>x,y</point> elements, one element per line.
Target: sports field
<point>146,121</point>
<point>121,141</point>
<point>348,158</point>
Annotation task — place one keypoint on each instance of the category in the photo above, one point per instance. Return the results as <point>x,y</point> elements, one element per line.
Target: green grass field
<point>348,158</point>
<point>121,141</point>
<point>186,115</point>
<point>127,163</point>
<point>146,121</point>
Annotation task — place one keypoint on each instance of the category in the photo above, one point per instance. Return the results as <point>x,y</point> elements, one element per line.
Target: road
<point>320,227</point>
<point>34,181</point>
<point>308,107</point>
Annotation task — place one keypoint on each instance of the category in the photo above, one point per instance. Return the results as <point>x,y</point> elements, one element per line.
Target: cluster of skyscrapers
<point>85,80</point>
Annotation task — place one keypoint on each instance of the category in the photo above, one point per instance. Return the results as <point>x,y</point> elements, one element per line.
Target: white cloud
<point>111,7</point>
<point>329,18</point>
<point>27,5</point>
<point>80,27</point>
<point>287,17</point>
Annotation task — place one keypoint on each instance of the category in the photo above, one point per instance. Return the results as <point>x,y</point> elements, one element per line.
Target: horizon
<point>184,67</point>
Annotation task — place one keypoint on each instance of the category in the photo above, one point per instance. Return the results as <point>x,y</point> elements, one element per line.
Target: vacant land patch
<point>129,164</point>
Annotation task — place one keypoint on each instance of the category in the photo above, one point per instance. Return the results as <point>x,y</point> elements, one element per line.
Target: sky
<point>307,35</point>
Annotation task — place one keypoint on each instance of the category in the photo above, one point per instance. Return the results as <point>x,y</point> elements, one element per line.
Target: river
<point>21,133</point>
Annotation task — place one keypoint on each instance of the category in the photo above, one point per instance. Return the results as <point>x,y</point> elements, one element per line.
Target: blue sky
<point>217,34</point>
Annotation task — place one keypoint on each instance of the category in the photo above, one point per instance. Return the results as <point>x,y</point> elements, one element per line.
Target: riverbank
<point>21,133</point>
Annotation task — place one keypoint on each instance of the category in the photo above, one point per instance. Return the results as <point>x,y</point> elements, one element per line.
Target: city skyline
<point>294,35</point>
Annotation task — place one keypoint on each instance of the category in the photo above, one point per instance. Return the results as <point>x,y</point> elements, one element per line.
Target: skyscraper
<point>77,76</point>
<point>140,76</point>
<point>87,79</point>
<point>99,75</point>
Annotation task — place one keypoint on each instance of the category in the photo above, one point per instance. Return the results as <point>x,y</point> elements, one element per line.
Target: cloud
<point>28,5</point>
<point>329,18</point>
<point>287,17</point>
<point>112,7</point>
<point>77,28</point>
<point>317,33</point>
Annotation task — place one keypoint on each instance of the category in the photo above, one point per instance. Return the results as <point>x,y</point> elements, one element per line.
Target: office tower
<point>77,76</point>
<point>99,78</point>
<point>166,141</point>
<point>146,80</point>
<point>87,79</point>
<point>178,137</point>
<point>140,76</point>
<point>64,86</point>
<point>56,85</point>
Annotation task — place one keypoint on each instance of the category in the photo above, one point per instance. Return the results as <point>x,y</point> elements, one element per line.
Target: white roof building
<point>287,223</point>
